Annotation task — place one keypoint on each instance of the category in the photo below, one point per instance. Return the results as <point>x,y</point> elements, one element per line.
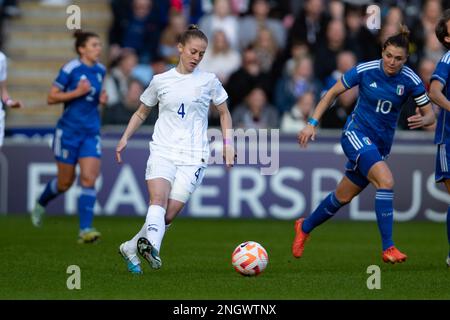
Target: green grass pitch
<point>196,258</point>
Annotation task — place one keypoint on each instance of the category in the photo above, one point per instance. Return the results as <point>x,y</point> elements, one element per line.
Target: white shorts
<point>183,178</point>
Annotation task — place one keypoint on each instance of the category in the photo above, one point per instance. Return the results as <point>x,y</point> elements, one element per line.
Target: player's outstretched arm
<point>6,99</point>
<point>226,124</point>
<point>437,96</point>
<point>56,95</point>
<point>309,132</point>
<point>135,122</point>
<point>424,117</point>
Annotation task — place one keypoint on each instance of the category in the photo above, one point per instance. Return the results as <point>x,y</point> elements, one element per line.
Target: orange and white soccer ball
<point>249,258</point>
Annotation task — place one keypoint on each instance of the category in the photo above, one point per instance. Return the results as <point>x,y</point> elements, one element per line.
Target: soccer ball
<point>249,258</point>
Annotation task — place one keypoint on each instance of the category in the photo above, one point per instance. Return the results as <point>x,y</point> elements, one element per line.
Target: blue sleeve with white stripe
<point>351,78</point>
<point>62,80</point>
<point>442,71</point>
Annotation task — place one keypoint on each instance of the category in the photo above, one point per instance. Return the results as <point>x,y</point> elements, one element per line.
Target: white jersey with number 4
<point>180,133</point>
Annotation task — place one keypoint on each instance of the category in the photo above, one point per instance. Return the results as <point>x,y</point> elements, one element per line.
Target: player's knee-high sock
<point>86,203</point>
<point>326,209</point>
<point>384,199</point>
<point>155,225</point>
<point>131,245</point>
<point>50,192</point>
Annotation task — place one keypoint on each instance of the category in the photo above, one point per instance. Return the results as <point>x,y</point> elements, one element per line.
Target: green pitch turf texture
<point>196,258</point>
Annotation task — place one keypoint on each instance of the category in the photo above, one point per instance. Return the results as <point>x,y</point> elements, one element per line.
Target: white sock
<point>155,225</point>
<point>168,226</point>
<point>131,245</point>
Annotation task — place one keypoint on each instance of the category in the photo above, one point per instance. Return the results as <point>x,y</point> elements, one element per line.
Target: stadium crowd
<point>276,58</point>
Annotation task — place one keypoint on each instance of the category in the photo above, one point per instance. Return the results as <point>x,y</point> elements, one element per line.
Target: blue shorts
<point>442,160</point>
<point>69,146</point>
<point>362,154</point>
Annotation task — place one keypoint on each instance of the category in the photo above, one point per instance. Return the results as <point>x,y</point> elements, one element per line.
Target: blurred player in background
<point>179,148</point>
<point>5,98</point>
<point>77,134</point>
<point>384,86</point>
<point>440,94</point>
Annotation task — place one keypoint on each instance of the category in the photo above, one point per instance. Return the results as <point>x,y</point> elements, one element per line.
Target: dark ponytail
<point>400,40</point>
<point>82,37</point>
<point>441,29</point>
<point>192,32</point>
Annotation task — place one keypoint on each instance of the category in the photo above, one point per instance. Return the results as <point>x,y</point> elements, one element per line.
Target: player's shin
<point>155,225</point>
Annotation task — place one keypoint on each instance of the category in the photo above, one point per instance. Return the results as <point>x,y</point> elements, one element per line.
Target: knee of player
<point>344,198</point>
<point>159,201</point>
<point>64,185</point>
<point>386,183</point>
<point>87,181</point>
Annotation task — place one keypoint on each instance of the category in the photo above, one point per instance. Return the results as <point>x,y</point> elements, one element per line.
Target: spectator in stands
<point>140,30</point>
<point>423,30</point>
<point>296,119</point>
<point>255,112</point>
<point>260,19</point>
<point>309,24</point>
<point>117,82</point>
<point>221,19</point>
<point>168,49</point>
<point>359,39</point>
<point>266,49</point>
<point>336,10</point>
<point>336,116</point>
<point>328,48</point>
<point>298,50</point>
<point>121,112</point>
<point>247,77</point>
<point>145,72</point>
<point>291,87</point>
<point>192,10</point>
<point>220,59</point>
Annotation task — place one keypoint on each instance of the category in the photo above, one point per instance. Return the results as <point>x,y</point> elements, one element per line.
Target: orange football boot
<point>300,238</point>
<point>393,255</point>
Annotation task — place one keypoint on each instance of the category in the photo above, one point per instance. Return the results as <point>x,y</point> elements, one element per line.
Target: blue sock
<point>384,199</point>
<point>86,203</point>
<point>50,192</point>
<point>326,209</point>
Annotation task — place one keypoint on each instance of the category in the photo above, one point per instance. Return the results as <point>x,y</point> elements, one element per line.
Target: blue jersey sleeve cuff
<point>345,82</point>
<point>439,78</point>
<point>59,85</point>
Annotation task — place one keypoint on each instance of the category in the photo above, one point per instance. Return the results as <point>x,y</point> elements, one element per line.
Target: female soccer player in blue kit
<point>77,134</point>
<point>440,94</point>
<point>384,85</point>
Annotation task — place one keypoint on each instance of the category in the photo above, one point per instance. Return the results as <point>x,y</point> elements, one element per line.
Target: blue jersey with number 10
<point>81,114</point>
<point>381,97</point>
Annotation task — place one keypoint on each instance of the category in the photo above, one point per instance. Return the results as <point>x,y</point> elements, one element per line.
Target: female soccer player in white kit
<point>5,99</point>
<point>179,149</point>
